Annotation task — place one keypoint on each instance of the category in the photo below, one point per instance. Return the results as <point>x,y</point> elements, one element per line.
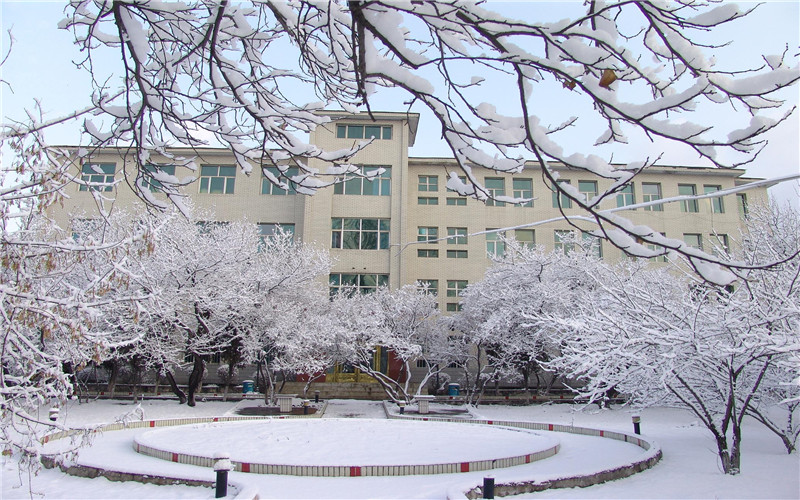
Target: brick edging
<point>651,457</point>
<point>351,470</point>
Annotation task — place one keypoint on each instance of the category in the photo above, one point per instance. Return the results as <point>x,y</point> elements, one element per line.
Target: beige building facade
<point>404,225</point>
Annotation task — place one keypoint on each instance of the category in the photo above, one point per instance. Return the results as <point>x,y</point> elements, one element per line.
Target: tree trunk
<point>195,378</point>
<point>177,390</point>
<point>112,377</point>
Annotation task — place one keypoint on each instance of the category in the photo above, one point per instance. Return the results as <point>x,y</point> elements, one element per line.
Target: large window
<point>693,240</point>
<point>523,188</point>
<point>651,191</point>
<point>428,183</point>
<point>150,182</point>
<point>380,184</point>
<point>429,286</point>
<point>268,229</point>
<point>588,189</point>
<point>454,290</point>
<point>592,244</point>
<point>688,190</point>
<point>363,283</point>
<point>525,237</point>
<point>563,241</point>
<point>456,287</point>
<point>429,234</point>
<point>741,202</point>
<point>459,200</point>
<point>267,187</point>
<point>626,196</point>
<point>560,199</point>
<point>716,204</point>
<point>100,176</point>
<point>364,132</point>
<point>496,187</point>
<point>217,179</point>
<point>719,242</point>
<point>495,245</point>
<point>457,236</point>
<point>360,234</point>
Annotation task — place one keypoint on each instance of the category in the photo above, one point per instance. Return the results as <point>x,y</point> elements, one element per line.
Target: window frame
<point>228,181</point>
<point>715,205</point>
<point>357,185</point>
<point>561,200</point>
<point>650,197</point>
<point>522,191</point>
<point>626,196</point>
<point>273,190</point>
<point>381,233</point>
<point>102,181</point>
<point>499,190</point>
<point>688,206</point>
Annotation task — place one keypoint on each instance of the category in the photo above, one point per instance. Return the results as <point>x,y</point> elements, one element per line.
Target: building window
<point>687,190</point>
<point>460,200</point>
<point>564,242</point>
<point>427,200</point>
<point>267,187</point>
<point>99,175</point>
<point>651,191</point>
<point>495,245</point>
<point>457,254</point>
<point>720,244</point>
<point>523,188</point>
<point>364,132</point>
<point>496,186</point>
<point>457,236</point>
<point>592,244</point>
<point>453,307</point>
<point>428,183</point>
<point>429,286</point>
<point>716,204</point>
<point>269,230</point>
<point>741,202</point>
<point>150,181</point>
<point>456,287</point>
<point>429,234</point>
<point>560,199</point>
<point>217,179</point>
<point>379,184</point>
<point>625,196</point>
<point>363,283</point>
<point>657,248</point>
<point>360,234</point>
<point>693,240</point>
<point>427,253</point>
<point>588,189</point>
<point>525,237</point>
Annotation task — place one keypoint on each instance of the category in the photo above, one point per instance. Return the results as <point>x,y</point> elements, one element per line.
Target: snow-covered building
<point>403,225</point>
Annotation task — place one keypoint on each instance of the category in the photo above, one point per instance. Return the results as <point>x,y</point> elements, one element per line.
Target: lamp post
<point>222,464</point>
<point>636,419</point>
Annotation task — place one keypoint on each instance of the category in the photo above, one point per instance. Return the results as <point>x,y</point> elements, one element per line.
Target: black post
<point>316,396</point>
<point>636,420</point>
<point>222,484</point>
<point>488,487</point>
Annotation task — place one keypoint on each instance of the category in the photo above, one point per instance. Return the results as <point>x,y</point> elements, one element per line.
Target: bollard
<point>488,487</point>
<point>316,396</point>
<point>222,464</point>
<point>306,403</point>
<point>54,413</point>
<point>402,406</point>
<point>636,419</point>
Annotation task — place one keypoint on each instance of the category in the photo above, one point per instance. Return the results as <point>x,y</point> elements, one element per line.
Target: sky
<point>40,67</point>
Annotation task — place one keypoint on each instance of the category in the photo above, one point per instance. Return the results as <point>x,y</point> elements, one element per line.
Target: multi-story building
<point>391,229</point>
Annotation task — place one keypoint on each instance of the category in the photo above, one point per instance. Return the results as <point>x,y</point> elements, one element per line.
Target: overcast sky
<point>40,67</point>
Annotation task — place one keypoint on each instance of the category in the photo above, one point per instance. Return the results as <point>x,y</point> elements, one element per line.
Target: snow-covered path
<point>352,408</point>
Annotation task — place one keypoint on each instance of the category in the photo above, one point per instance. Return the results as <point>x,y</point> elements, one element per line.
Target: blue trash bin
<point>247,386</point>
<point>452,389</point>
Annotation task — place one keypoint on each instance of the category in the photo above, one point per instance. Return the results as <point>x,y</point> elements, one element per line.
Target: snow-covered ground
<point>689,468</point>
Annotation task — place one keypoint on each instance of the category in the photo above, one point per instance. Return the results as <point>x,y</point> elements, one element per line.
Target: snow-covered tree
<point>661,338</point>
<point>214,286</point>
<point>627,69</point>
<point>504,315</point>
